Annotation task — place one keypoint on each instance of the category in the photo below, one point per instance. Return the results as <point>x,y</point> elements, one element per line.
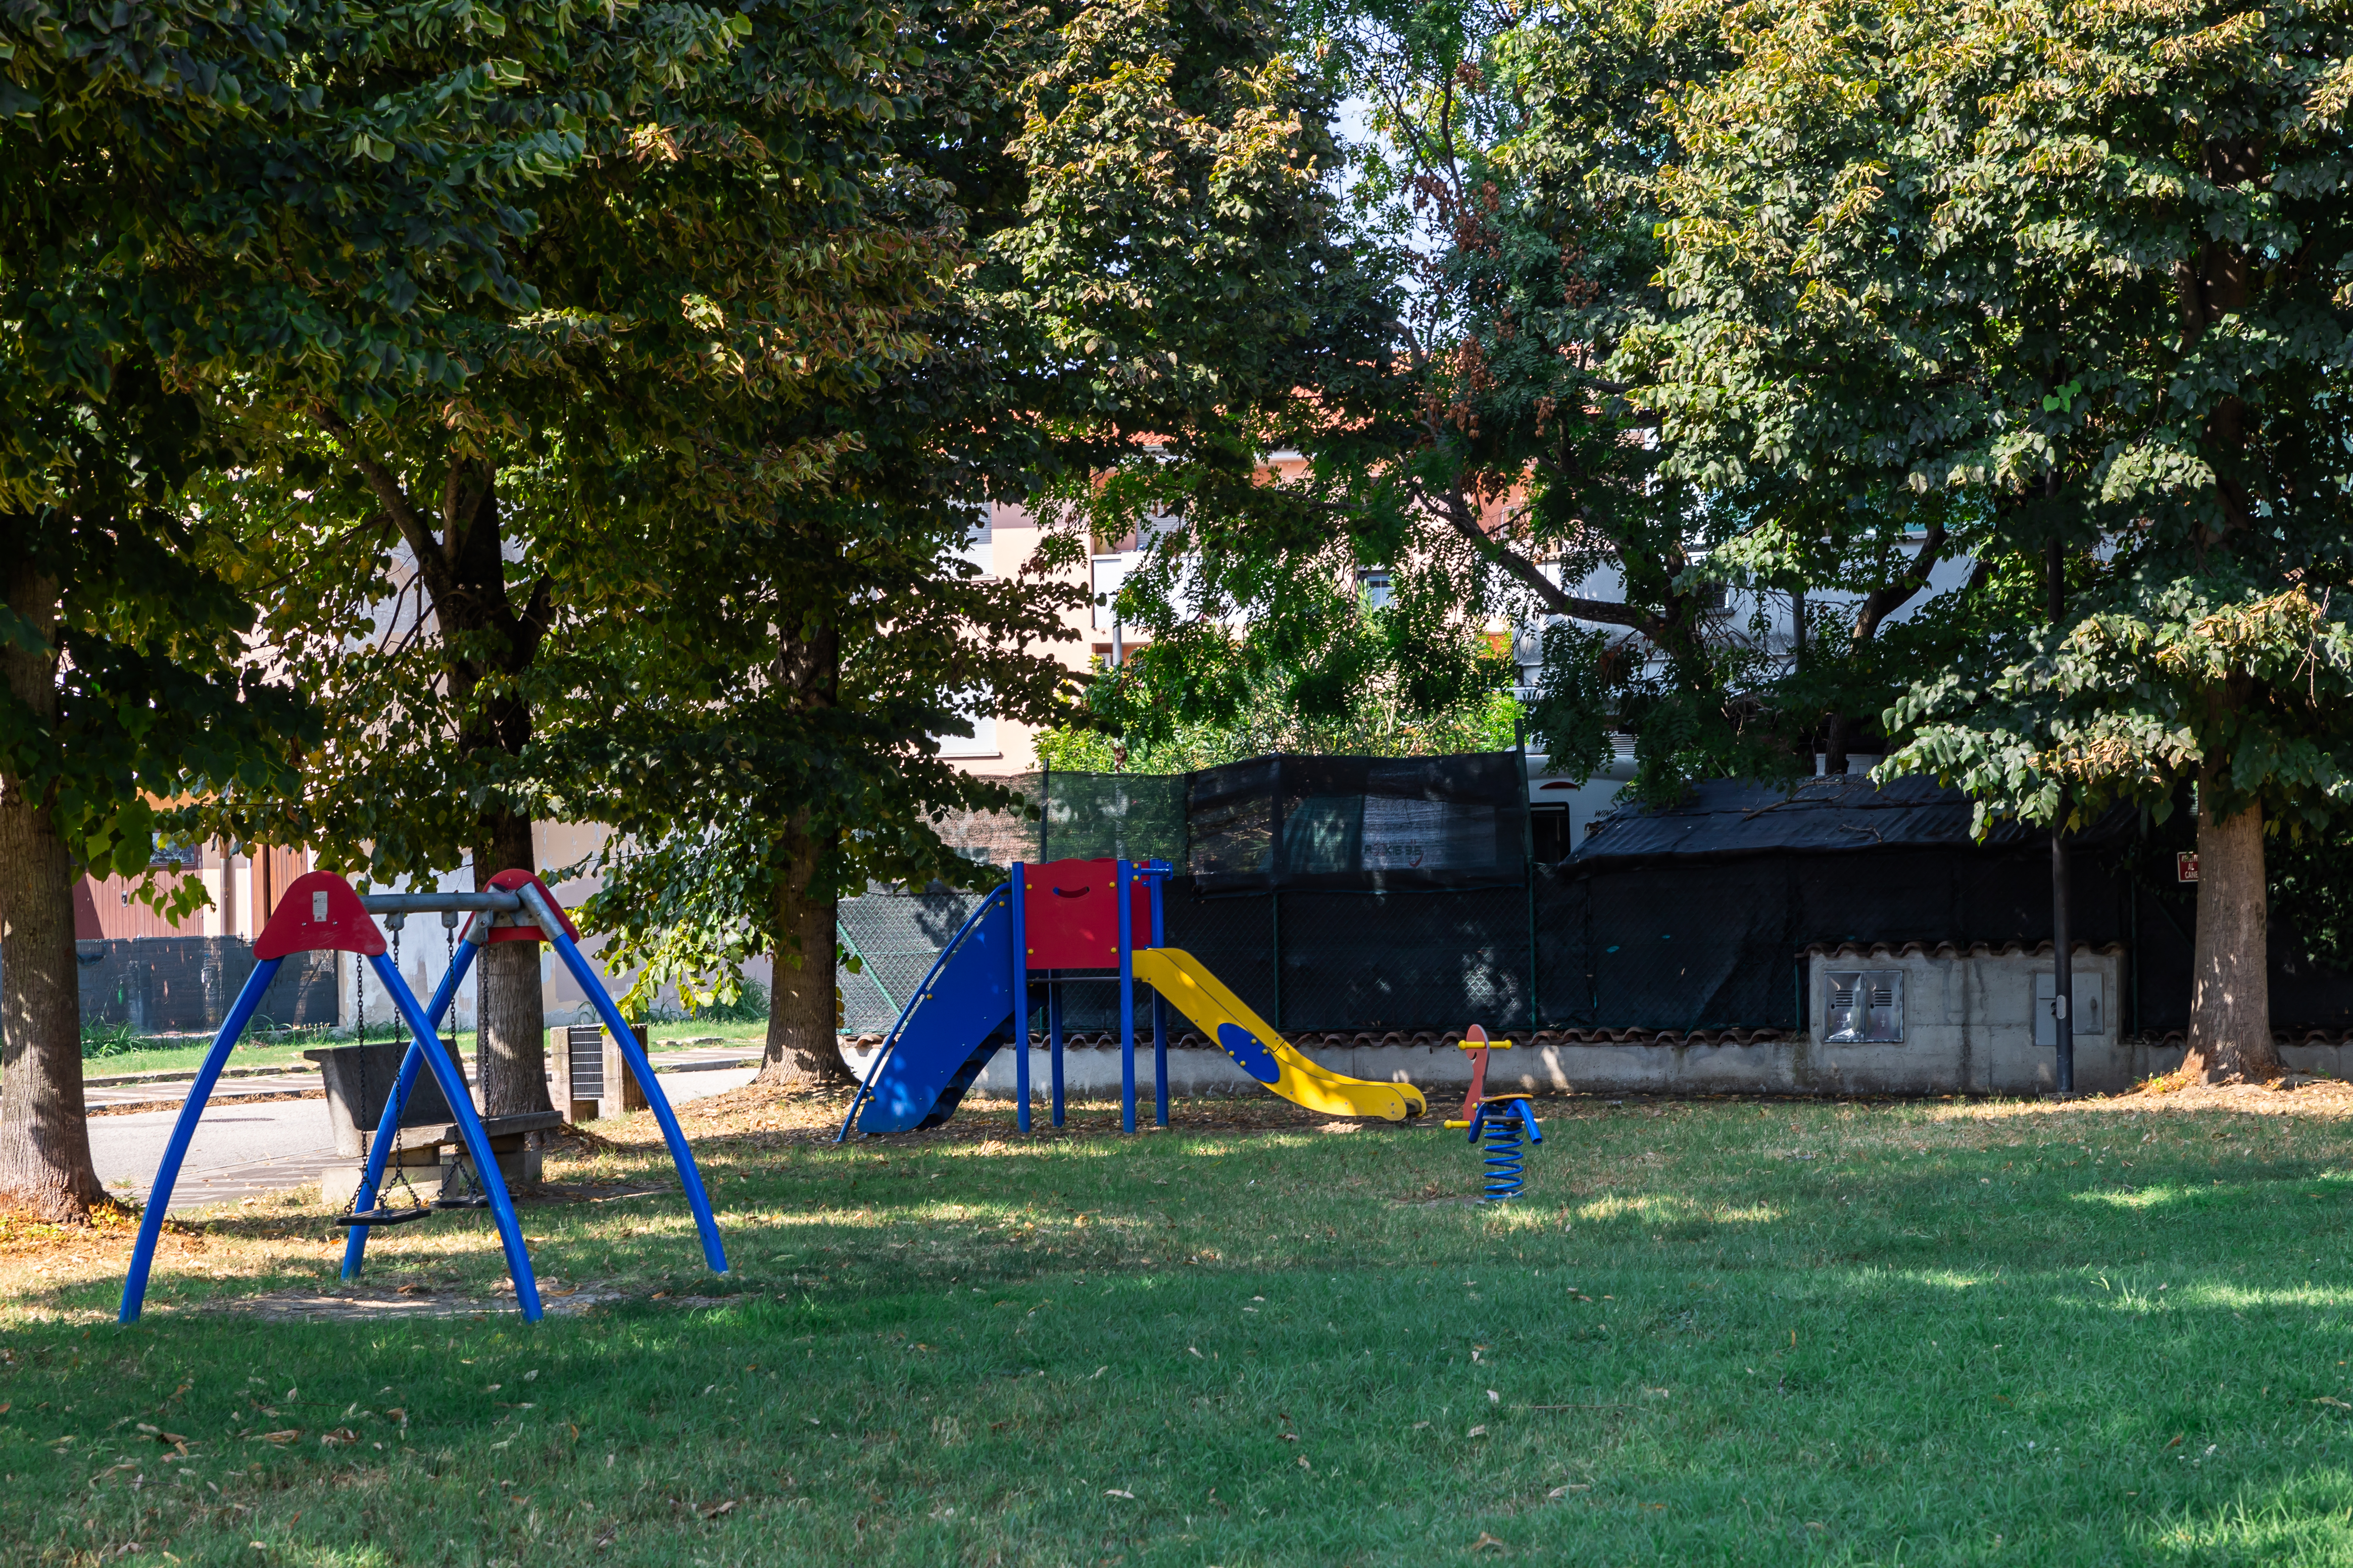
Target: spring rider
<point>1497,1122</point>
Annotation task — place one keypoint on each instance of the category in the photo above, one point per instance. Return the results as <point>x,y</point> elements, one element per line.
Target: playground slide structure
<point>1218,1012</point>
<point>1065,915</point>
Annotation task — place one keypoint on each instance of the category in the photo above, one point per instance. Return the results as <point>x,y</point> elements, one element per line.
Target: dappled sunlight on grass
<point>1709,1333</point>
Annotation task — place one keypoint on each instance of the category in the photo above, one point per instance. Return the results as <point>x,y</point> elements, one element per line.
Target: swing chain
<point>396,1167</point>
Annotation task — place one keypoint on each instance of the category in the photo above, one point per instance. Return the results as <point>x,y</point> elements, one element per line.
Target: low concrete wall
<point>1796,1066</point>
<point>1972,1020</point>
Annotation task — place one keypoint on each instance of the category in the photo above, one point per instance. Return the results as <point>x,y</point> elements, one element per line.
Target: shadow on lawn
<point>1877,1186</point>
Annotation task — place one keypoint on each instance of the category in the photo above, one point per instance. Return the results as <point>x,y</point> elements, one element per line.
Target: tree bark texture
<point>510,1050</point>
<point>803,1051</point>
<point>46,1171</point>
<point>802,1046</point>
<point>464,569</point>
<point>2229,999</point>
<point>1835,743</point>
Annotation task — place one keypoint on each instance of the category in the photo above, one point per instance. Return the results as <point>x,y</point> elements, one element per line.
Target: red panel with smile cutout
<point>1070,914</point>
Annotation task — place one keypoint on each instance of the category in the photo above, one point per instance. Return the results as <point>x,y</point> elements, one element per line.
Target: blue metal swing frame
<point>526,905</point>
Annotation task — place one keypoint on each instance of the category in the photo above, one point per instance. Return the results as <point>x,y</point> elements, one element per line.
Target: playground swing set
<point>321,912</point>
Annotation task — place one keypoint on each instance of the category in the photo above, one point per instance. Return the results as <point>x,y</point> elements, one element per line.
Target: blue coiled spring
<point>1505,1158</point>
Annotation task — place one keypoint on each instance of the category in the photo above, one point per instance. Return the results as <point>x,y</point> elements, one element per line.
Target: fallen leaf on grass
<point>339,1436</point>
<point>1476,1432</point>
<point>1304,1463</point>
<point>716,1509</point>
<point>2324,1399</point>
<point>1486,1542</point>
<point>1572,1487</point>
<point>281,1438</point>
<point>2176,1439</point>
<point>1115,1491</point>
<point>1197,1354</point>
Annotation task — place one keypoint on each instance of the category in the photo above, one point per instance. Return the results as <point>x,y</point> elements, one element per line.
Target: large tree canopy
<point>734,244</point>
<point>1129,194</point>
<point>2085,267</point>
<point>199,202</point>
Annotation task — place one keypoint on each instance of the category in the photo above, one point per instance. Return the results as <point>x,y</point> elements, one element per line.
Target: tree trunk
<point>510,1052</point>
<point>46,1171</point>
<point>803,1051</point>
<point>2229,998</point>
<point>1834,759</point>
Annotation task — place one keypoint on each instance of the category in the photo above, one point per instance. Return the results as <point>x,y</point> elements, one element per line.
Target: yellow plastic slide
<point>1218,1012</point>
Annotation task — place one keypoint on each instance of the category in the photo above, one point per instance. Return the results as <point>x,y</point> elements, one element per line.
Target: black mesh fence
<point>1409,905</point>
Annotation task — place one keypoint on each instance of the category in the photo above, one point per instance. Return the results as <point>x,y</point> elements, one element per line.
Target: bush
<point>103,1040</point>
<point>750,1006</point>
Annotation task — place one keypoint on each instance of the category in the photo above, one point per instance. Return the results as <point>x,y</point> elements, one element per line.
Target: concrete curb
<point>112,1080</point>
<point>117,1079</point>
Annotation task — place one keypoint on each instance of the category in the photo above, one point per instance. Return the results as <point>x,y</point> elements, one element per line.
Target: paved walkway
<point>162,1089</point>
<point>245,1150</point>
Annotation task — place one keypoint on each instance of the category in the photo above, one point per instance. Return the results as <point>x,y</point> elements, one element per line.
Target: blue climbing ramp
<point>958,1018</point>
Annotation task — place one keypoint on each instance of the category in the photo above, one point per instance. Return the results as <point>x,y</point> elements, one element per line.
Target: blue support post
<point>469,1131</point>
<point>1126,881</point>
<point>1157,870</point>
<point>1020,946</point>
<point>175,1152</point>
<point>1054,1040</point>
<point>387,1130</point>
<point>544,915</point>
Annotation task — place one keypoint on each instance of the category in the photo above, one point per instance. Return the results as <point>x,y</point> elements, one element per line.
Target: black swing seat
<point>475,1202</point>
<point>383,1217</point>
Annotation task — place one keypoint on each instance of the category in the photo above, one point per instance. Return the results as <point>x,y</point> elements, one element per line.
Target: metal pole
<point>699,1201</point>
<point>1124,881</point>
<point>1020,946</point>
<point>1527,863</point>
<point>2063,964</point>
<point>487,1176</point>
<point>2063,971</point>
<point>495,901</point>
<point>183,1129</point>
<point>1274,919</point>
<point>1054,1040</point>
<point>1159,1006</point>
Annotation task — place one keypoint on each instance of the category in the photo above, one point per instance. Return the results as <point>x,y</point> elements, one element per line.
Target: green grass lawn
<point>185,1056</point>
<point>1716,1332</point>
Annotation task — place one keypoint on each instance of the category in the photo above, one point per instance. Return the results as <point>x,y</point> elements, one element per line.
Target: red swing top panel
<point>507,882</point>
<point>1070,913</point>
<point>318,912</point>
